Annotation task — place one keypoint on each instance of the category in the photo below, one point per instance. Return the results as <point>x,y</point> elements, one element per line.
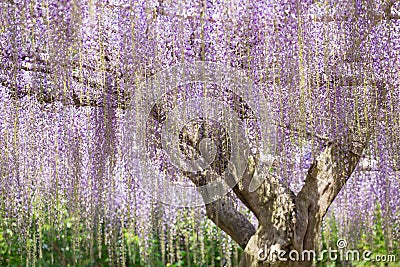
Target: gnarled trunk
<point>289,225</point>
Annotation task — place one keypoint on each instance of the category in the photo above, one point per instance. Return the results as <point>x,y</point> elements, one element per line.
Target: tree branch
<point>224,214</point>
<point>39,66</point>
<point>329,173</point>
<point>324,180</point>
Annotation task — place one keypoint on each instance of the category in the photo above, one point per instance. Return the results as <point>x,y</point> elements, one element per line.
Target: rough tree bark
<point>288,222</point>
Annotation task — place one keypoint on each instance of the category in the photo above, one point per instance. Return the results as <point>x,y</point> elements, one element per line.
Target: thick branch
<point>224,214</point>
<point>118,98</point>
<point>329,173</point>
<point>324,180</point>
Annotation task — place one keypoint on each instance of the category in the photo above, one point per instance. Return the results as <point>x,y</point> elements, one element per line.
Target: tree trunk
<point>279,242</point>
<point>289,225</point>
